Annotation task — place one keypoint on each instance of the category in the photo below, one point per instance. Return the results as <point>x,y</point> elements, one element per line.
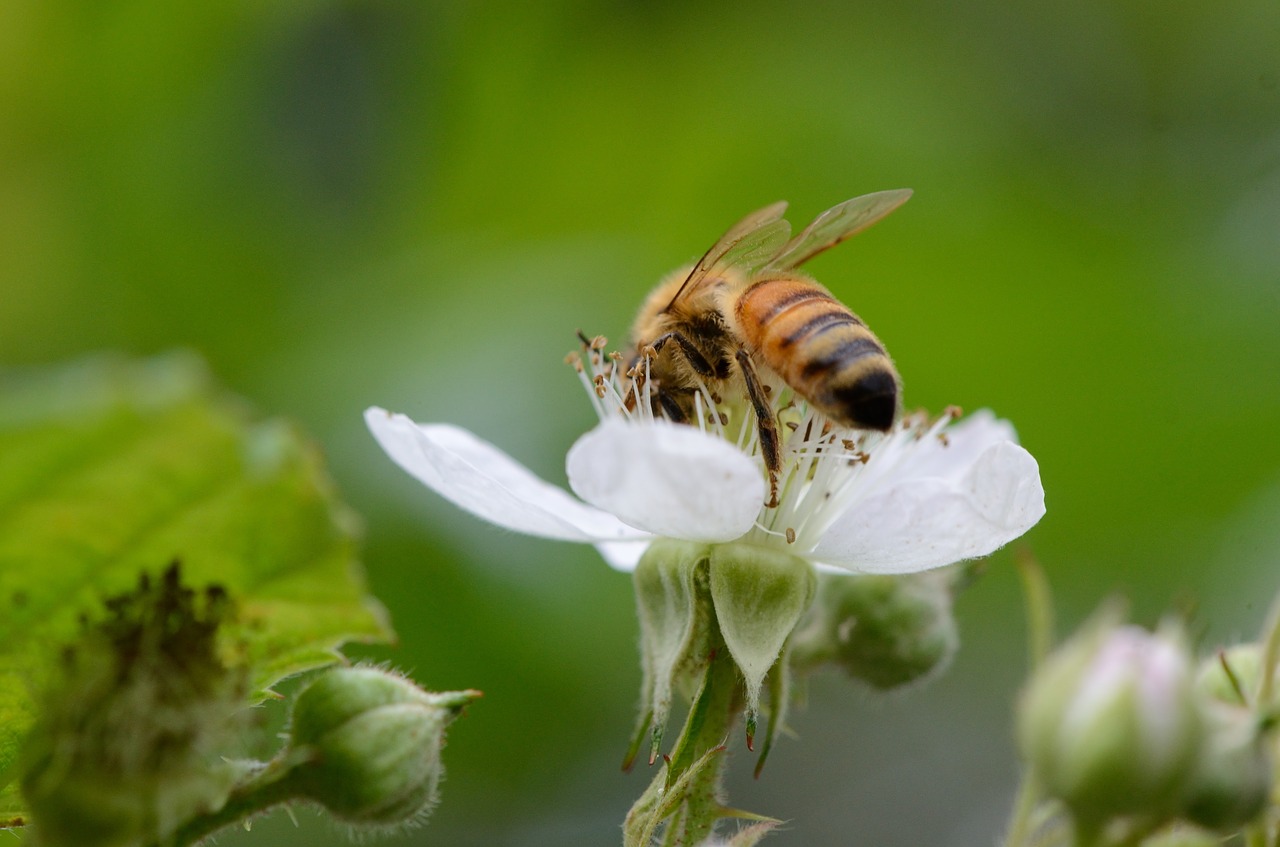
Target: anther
<point>953,412</point>
<point>599,342</point>
<point>791,535</point>
<point>724,419</point>
<point>946,442</point>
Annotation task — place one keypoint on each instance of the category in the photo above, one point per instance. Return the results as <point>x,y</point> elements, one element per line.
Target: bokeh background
<point>415,204</point>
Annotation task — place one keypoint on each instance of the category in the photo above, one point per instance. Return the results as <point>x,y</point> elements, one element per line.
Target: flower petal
<point>622,555</point>
<point>916,524</point>
<point>674,481</point>
<point>488,483</point>
<point>903,456</point>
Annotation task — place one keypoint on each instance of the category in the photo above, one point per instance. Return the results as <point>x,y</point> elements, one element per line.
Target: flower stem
<point>268,788</point>
<point>1039,602</point>
<point>686,793</point>
<point>1019,831</point>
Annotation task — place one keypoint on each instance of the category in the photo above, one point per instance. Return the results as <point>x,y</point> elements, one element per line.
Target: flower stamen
<point>826,469</point>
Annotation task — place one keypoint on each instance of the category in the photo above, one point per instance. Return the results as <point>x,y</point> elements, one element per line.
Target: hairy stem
<point>266,789</point>
<point>686,793</point>
<point>1035,589</point>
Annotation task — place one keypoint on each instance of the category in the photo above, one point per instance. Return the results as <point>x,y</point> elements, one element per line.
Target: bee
<point>743,308</point>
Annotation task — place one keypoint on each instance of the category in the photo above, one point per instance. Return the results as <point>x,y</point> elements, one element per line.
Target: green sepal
<point>759,596</point>
<point>675,625</point>
<point>751,835</point>
<point>637,738</point>
<point>779,700</point>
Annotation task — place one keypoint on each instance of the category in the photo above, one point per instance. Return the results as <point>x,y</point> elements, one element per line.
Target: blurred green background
<point>416,204</point>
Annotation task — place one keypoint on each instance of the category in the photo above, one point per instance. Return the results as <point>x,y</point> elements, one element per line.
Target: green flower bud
<point>366,745</point>
<point>1230,675</point>
<point>1110,723</point>
<point>1232,779</point>
<point>887,631</point>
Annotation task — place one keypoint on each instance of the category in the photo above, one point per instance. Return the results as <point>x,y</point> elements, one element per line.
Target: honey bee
<point>744,307</point>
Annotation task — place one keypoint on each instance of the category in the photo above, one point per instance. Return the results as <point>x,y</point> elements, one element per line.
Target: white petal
<point>903,456</point>
<point>914,524</point>
<point>488,483</point>
<point>674,481</point>
<point>622,555</point>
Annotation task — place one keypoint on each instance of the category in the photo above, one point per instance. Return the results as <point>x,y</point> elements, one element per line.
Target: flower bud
<point>367,744</point>
<point>1232,779</point>
<point>887,631</point>
<point>1110,723</point>
<point>1230,675</point>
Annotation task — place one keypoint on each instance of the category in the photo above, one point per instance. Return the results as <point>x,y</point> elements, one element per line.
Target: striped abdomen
<point>821,349</point>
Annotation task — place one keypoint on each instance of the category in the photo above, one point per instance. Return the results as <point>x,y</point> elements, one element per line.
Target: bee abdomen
<point>822,350</point>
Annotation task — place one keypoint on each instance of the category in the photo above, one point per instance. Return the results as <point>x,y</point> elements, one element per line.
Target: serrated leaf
<point>112,467</point>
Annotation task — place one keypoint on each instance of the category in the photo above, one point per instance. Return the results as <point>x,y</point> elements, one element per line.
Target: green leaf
<point>112,467</point>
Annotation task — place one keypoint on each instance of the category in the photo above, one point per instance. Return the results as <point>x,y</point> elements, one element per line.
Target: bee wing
<point>836,224</point>
<point>749,245</point>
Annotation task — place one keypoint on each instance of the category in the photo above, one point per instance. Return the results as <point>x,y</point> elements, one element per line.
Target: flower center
<point>826,469</point>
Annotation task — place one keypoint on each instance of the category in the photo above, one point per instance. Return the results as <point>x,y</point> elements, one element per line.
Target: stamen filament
<point>822,463</point>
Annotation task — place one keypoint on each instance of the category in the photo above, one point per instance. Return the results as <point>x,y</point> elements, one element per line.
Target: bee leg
<point>671,408</point>
<point>692,354</point>
<point>770,446</point>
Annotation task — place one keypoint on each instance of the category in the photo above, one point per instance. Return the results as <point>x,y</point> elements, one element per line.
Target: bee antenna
<point>586,342</point>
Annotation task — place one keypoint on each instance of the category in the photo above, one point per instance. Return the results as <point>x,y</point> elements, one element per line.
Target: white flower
<point>925,495</point>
